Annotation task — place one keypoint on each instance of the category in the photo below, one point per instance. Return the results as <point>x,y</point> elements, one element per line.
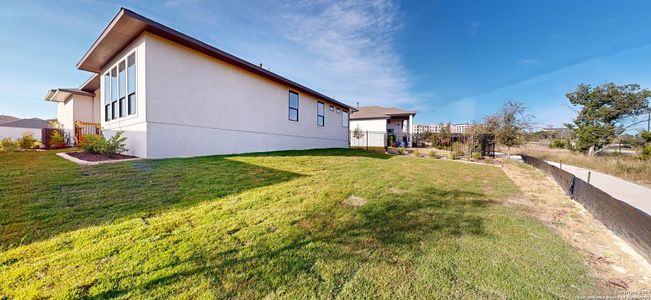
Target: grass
<point>624,166</point>
<point>272,225</point>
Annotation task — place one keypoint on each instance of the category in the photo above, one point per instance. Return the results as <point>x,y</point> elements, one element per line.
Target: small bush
<point>98,144</point>
<point>457,151</point>
<point>8,144</point>
<point>432,154</point>
<point>401,151</point>
<point>477,155</point>
<point>56,140</point>
<point>558,144</point>
<point>646,153</point>
<point>27,141</point>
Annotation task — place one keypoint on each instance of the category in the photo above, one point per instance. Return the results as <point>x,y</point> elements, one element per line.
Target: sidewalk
<point>626,191</point>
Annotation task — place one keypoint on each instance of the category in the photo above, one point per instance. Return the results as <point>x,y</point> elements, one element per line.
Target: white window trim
<point>124,59</point>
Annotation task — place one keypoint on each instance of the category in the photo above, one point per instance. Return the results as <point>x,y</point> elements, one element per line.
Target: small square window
<point>332,108</point>
<point>338,110</point>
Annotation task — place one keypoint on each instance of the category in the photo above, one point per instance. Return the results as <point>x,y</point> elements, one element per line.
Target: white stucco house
<point>379,123</point>
<point>175,96</point>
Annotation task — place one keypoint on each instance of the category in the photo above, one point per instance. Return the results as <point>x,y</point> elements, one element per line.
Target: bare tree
<point>509,124</point>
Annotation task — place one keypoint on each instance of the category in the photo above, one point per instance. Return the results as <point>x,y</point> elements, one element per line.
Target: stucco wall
<point>84,108</point>
<point>65,114</point>
<point>198,105</point>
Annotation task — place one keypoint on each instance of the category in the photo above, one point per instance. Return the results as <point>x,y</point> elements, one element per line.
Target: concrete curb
<point>93,163</point>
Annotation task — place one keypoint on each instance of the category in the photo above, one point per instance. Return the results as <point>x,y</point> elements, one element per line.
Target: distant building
<point>436,128</point>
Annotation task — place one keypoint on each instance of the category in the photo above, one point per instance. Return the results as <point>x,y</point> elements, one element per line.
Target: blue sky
<point>449,60</point>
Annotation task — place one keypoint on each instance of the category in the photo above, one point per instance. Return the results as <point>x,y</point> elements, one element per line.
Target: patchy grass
<point>273,225</point>
<point>623,166</point>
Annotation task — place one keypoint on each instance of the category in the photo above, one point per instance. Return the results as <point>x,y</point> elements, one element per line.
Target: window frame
<point>345,124</point>
<point>290,108</point>
<point>322,116</point>
<point>119,94</point>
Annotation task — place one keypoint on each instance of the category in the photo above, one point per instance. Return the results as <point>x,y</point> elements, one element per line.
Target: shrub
<point>432,154</point>
<point>558,143</point>
<point>646,153</point>
<point>401,151</point>
<point>56,140</point>
<point>456,151</point>
<point>27,141</point>
<point>8,144</point>
<point>115,144</point>
<point>98,144</point>
<point>93,143</point>
<point>476,155</point>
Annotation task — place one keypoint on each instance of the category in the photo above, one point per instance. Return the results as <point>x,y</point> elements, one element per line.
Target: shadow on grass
<point>48,198</point>
<point>323,152</point>
<point>384,231</point>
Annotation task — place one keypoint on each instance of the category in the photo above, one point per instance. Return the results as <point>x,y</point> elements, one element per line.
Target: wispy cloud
<point>529,61</point>
<point>352,44</point>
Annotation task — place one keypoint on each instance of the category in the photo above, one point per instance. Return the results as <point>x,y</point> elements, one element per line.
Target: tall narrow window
<point>293,106</point>
<point>114,94</point>
<point>320,118</point>
<point>122,87</point>
<point>107,97</point>
<point>131,86</point>
<point>344,119</point>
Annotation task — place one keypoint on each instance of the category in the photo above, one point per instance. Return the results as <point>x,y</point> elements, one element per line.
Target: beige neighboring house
<point>175,96</point>
<point>77,104</point>
<point>381,122</point>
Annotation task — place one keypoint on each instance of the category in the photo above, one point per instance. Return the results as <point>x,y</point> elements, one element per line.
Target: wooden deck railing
<point>84,128</point>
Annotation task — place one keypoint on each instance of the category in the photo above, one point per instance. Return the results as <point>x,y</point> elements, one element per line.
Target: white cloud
<point>351,47</point>
<point>529,61</point>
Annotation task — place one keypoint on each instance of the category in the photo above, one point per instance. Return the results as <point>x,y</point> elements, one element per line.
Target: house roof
<point>27,123</point>
<point>61,94</point>
<point>91,84</point>
<point>7,119</point>
<point>378,112</point>
<point>127,25</point>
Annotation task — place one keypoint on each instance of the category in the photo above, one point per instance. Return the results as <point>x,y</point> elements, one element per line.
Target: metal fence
<point>368,139</point>
<point>628,222</point>
<point>485,143</point>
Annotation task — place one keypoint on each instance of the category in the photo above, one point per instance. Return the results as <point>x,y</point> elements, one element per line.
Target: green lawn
<point>272,225</point>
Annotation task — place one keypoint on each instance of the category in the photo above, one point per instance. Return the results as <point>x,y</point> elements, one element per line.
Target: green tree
<point>646,136</point>
<point>603,108</point>
<point>444,135</point>
<point>509,124</point>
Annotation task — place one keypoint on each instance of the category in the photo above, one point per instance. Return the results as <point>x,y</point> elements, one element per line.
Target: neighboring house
<point>175,96</point>
<point>382,122</point>
<point>18,128</point>
<point>77,104</point>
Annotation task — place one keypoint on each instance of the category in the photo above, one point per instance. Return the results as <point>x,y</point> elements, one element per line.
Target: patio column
<point>411,131</point>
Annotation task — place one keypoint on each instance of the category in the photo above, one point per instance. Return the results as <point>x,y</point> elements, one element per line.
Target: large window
<point>122,82</point>
<point>293,106</point>
<point>107,97</point>
<point>120,89</point>
<point>320,118</point>
<point>131,86</point>
<point>114,93</point>
<point>344,119</point>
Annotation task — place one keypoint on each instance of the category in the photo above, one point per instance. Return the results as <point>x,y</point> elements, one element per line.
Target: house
<point>77,104</point>
<point>16,129</point>
<point>381,125</point>
<point>175,96</point>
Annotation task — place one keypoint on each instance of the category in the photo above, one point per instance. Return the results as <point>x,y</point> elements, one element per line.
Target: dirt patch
<point>85,156</point>
<point>398,191</point>
<point>354,201</point>
<point>612,260</point>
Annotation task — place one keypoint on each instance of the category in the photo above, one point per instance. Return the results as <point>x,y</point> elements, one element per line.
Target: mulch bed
<point>98,157</point>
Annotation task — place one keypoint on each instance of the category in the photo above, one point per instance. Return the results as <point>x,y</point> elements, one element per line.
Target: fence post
<point>589,173</point>
<point>561,163</point>
<point>367,140</point>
